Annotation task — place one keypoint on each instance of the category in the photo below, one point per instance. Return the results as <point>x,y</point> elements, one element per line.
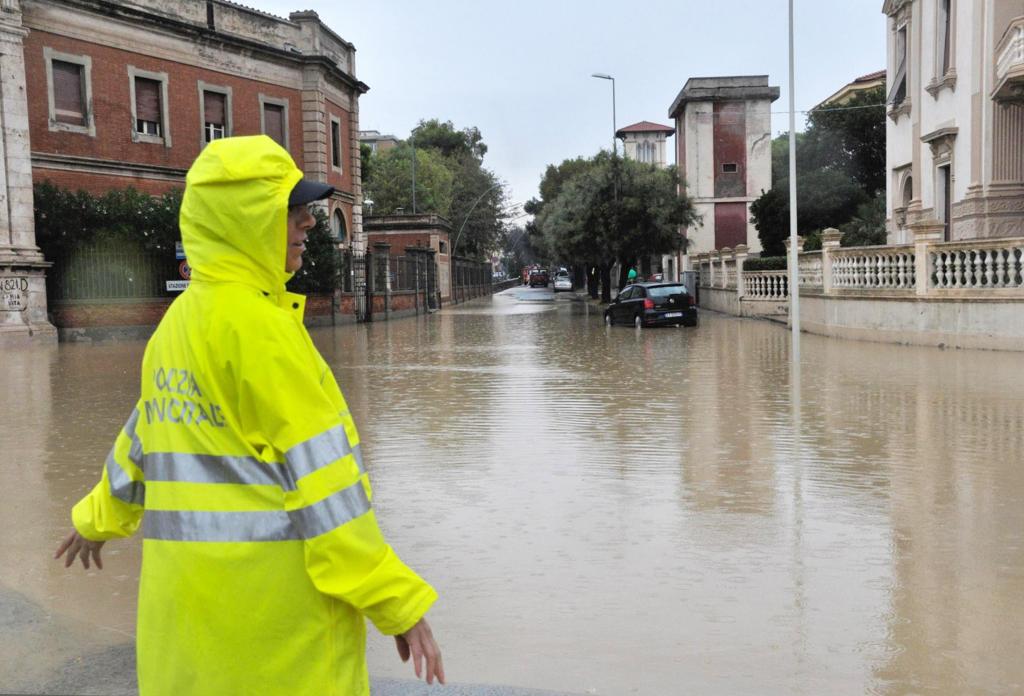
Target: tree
<point>867,228</point>
<point>855,138</point>
<point>365,162</point>
<point>390,183</point>
<point>443,137</point>
<point>840,167</point>
<point>822,197</point>
<point>609,209</point>
<point>478,197</point>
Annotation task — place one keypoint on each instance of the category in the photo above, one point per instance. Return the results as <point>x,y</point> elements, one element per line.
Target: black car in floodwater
<point>652,304</point>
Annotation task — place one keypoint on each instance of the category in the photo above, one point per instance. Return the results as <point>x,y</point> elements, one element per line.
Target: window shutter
<point>147,100</point>
<point>68,104</point>
<point>273,123</point>
<point>213,108</point>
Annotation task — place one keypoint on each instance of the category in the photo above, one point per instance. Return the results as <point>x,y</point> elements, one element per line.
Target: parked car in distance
<point>539,277</point>
<point>656,278</point>
<point>562,282</point>
<point>652,304</point>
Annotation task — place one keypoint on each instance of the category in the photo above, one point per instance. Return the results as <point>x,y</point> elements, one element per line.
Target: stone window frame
<point>333,120</point>
<point>944,79</point>
<point>900,205</point>
<point>284,104</point>
<point>50,55</point>
<point>340,233</point>
<point>901,23</point>
<point>228,122</point>
<point>165,107</point>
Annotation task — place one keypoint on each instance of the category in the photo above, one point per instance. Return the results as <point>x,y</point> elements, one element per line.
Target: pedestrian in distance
<point>631,276</point>
<point>262,556</point>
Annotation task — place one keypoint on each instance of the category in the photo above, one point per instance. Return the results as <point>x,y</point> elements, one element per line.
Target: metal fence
<point>109,273</point>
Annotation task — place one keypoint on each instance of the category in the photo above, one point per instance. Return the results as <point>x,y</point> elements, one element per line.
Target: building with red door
<point>723,150</point>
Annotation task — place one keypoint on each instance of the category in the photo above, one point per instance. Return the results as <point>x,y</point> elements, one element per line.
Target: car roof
<point>659,285</point>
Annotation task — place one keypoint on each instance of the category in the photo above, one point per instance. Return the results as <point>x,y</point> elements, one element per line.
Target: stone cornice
<point>46,160</point>
<point>891,7</point>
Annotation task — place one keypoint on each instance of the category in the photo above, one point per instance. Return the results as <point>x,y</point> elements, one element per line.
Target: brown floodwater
<point>613,511</point>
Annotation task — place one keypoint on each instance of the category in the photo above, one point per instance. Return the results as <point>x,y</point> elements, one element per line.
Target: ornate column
<point>22,267</point>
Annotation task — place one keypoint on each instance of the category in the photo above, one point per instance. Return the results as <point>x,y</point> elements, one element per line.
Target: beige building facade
<point>955,126</point>
<point>645,142</point>
<point>723,150</point>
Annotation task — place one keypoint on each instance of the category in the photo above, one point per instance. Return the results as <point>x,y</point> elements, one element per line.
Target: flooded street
<point>608,510</point>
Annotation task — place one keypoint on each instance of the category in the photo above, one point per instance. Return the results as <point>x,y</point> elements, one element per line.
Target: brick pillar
<point>23,315</point>
<point>382,256</point>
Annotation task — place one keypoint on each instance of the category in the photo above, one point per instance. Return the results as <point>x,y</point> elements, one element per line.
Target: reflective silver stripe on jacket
<point>331,512</point>
<point>208,468</point>
<point>201,525</point>
<point>273,525</point>
<point>317,452</point>
<point>122,486</point>
<point>301,460</point>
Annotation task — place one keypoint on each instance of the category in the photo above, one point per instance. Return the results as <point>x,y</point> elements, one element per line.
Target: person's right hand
<point>77,545</point>
<point>419,642</point>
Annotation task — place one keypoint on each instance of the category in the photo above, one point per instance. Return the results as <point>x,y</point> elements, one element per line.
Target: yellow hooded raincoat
<point>261,552</point>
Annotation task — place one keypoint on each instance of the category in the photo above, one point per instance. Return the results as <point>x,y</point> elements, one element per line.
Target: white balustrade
<point>978,264</point>
<point>810,265</point>
<point>867,268</point>
<point>729,270</point>
<point>765,285</point>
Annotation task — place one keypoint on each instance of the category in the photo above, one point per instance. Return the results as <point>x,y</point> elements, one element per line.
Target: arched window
<point>338,227</point>
<point>908,191</point>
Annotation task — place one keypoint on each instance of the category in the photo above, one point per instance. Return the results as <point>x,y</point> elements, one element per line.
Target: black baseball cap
<point>308,191</point>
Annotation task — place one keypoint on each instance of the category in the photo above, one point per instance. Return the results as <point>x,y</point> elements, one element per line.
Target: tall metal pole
<point>413,140</point>
<point>603,76</point>
<point>794,272</point>
<point>615,129</point>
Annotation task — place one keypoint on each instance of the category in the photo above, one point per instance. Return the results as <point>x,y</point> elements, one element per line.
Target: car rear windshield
<point>666,290</point>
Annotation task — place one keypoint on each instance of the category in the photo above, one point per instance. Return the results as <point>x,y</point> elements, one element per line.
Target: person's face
<point>300,221</point>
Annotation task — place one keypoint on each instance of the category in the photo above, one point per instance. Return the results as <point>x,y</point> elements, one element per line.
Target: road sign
<point>184,270</point>
<point>179,251</point>
<point>176,285</point>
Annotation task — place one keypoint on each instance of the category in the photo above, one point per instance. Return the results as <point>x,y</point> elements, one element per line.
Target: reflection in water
<point>643,512</point>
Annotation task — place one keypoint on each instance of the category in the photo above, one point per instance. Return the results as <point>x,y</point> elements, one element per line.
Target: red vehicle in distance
<point>539,276</point>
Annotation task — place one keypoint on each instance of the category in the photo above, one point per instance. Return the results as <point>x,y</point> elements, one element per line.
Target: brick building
<point>128,93</point>
<point>100,94</point>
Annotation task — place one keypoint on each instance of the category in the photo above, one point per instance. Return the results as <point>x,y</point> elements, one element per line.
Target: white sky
<point>520,71</point>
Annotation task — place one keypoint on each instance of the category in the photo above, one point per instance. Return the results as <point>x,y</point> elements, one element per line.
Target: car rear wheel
<point>638,321</point>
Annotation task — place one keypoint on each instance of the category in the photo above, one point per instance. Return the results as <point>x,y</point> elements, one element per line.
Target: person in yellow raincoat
<point>241,462</point>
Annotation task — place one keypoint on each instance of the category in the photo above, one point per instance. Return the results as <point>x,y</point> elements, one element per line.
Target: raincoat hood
<point>234,215</point>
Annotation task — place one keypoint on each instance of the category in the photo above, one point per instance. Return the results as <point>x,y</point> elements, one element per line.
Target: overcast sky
<point>520,71</point>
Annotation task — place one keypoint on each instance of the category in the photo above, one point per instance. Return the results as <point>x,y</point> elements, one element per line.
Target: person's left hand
<point>74,545</point>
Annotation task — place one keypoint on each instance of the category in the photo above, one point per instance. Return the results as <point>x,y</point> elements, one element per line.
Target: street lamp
<point>602,76</point>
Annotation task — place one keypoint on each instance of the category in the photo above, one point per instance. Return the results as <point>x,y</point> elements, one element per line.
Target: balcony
<point>1010,64</point>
